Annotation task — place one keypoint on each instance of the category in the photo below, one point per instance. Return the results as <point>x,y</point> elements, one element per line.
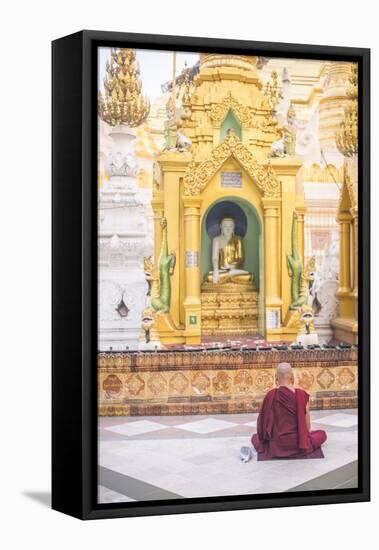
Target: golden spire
<point>273,92</point>
<point>347,135</point>
<point>291,111</point>
<point>122,101</point>
<point>185,85</point>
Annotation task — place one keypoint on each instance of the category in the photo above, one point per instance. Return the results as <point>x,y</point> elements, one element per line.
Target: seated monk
<point>284,426</point>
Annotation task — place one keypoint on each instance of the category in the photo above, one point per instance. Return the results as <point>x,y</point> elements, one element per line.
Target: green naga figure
<point>300,277</point>
<point>161,287</point>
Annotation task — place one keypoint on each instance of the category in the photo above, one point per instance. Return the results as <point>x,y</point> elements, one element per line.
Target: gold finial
<point>122,101</point>
<point>291,112</point>
<point>347,135</point>
<point>170,105</point>
<point>185,84</point>
<point>273,92</point>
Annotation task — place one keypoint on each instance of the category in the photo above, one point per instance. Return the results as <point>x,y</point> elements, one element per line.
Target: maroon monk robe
<point>281,425</point>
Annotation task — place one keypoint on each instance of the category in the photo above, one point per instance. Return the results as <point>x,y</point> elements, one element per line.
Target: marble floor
<point>166,457</point>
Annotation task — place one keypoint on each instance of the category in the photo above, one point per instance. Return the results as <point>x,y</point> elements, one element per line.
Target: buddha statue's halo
<point>225,209</point>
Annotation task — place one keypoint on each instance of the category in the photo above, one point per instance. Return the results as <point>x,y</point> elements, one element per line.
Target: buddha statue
<point>227,256</point>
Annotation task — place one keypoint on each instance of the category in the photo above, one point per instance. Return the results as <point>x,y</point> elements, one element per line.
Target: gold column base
<point>193,321</point>
<point>168,333</point>
<point>288,332</point>
<point>292,319</point>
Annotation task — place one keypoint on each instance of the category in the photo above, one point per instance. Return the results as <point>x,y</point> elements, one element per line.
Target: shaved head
<point>284,374</point>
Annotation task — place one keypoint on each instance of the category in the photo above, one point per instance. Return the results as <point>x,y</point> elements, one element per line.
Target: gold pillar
<point>345,284</point>
<point>345,326</point>
<point>173,167</point>
<point>354,213</point>
<point>300,230</point>
<point>273,301</point>
<point>292,198</point>
<point>192,301</point>
<point>157,206</point>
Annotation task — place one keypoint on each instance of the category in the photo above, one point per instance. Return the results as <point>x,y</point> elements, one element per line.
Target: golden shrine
<point>228,171</point>
<point>229,210</point>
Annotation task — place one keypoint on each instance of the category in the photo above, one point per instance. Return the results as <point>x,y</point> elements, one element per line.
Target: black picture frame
<point>74,272</point>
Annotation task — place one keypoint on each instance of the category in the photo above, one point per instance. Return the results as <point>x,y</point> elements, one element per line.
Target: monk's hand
<point>216,277</point>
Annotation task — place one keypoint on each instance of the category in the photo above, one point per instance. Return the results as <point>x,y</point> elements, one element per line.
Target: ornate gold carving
<point>229,308</point>
<point>197,176</point>
<point>346,378</point>
<point>134,385</point>
<point>266,124</point>
<point>243,382</point>
<point>325,378</point>
<point>178,383</point>
<point>110,361</point>
<point>212,60</point>
<point>273,92</point>
<point>317,173</point>
<point>351,186</point>
<point>246,115</point>
<point>186,85</point>
<point>156,384</point>
<point>347,135</point>
<point>114,410</point>
<point>222,383</point>
<point>200,383</point>
<point>112,387</point>
<point>102,361</point>
<point>220,110</point>
<point>122,101</point>
<point>305,379</point>
<point>264,380</point>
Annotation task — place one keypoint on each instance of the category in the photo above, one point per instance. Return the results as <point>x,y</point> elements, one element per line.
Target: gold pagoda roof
<point>212,60</point>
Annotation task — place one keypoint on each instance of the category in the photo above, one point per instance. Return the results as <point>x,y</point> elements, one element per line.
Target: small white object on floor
<point>246,454</point>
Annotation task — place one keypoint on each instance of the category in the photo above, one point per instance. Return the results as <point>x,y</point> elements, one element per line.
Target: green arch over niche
<point>230,122</point>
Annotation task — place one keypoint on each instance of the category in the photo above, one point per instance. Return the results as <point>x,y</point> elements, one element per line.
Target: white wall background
<point>27,29</point>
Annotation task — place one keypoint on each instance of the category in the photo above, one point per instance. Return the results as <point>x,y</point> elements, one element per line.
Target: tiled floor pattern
<point>144,458</point>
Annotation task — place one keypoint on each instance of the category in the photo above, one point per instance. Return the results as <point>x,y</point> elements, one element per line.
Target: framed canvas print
<point>210,274</point>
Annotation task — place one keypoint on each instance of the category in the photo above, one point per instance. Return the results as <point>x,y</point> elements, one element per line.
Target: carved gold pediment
<point>347,134</point>
<point>324,174</point>
<point>220,110</point>
<point>351,185</point>
<point>348,201</point>
<point>197,176</point>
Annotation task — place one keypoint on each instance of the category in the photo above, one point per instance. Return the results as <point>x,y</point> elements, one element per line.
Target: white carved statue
<point>183,143</point>
<point>330,266</point>
<point>119,164</point>
<point>324,290</point>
